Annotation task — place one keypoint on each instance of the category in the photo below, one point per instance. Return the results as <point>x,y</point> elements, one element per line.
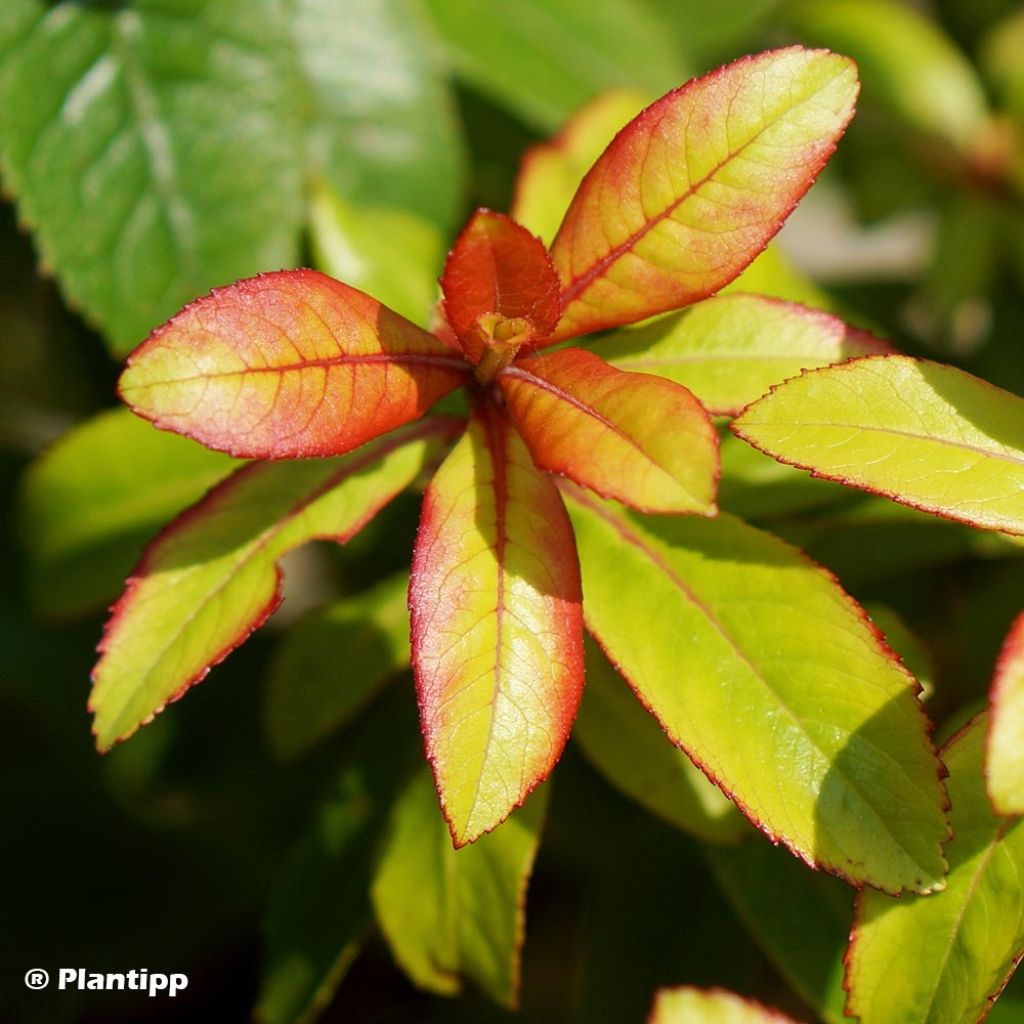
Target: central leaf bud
<point>502,337</point>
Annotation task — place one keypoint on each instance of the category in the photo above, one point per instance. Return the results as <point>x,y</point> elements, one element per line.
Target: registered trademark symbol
<point>37,978</point>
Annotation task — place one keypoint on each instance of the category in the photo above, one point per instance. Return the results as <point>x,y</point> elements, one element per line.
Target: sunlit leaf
<point>741,145</point>
<point>942,958</point>
<point>332,662</point>
<point>632,436</point>
<point>211,578</point>
<point>450,914</point>
<point>771,678</point>
<point>496,626</point>
<point>1004,755</point>
<point>287,365</point>
<point>685,1005</point>
<point>926,435</point>
<point>729,351</point>
<point>92,501</point>
<point>628,748</point>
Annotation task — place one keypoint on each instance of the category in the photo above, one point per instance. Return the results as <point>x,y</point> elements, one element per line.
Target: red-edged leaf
<point>498,269</point>
<point>640,439</point>
<point>287,365</point>
<point>496,626</point>
<point>1004,745</point>
<point>692,189</point>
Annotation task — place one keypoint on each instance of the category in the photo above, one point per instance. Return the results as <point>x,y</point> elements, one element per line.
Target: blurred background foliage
<point>153,149</point>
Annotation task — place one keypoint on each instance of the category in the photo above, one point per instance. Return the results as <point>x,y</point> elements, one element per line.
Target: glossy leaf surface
<point>729,351</point>
<point>624,743</point>
<point>210,578</point>
<point>91,502</point>
<point>686,1005</point>
<point>450,914</point>
<point>496,626</point>
<point>497,267</point>
<point>940,959</point>
<point>287,365</point>
<point>926,435</point>
<point>1004,755</point>
<point>330,663</point>
<point>692,189</point>
<point>631,436</point>
<point>725,632</point>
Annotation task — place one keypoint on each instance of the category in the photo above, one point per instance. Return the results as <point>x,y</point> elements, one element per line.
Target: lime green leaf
<point>926,435</point>
<point>800,919</point>
<point>332,662</point>
<point>92,501</point>
<point>772,275</point>
<point>321,911</point>
<point>941,959</point>
<point>730,350</point>
<point>685,1005</point>
<point>625,745</point>
<point>386,252</point>
<point>152,147</point>
<point>906,61</point>
<point>770,677</point>
<point>451,914</point>
<point>599,44</point>
<point>1004,763</point>
<point>211,577</point>
<point>382,129</point>
<point>909,647</point>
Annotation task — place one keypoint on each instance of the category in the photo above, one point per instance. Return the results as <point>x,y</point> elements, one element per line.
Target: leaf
<point>448,913</point>
<point>743,144</point>
<point>497,644</point>
<point>386,252</point>
<point>772,275</point>
<point>332,662</point>
<point>1004,752</point>
<point>600,44</point>
<point>320,912</point>
<point>771,678</point>
<point>941,960</point>
<point>152,148</point>
<point>729,350</point>
<point>287,365</point>
<point>606,430</point>
<point>625,745</point>
<point>686,1005</point>
<point>210,578</point>
<point>382,128</point>
<point>551,172</point>
<point>923,434</point>
<point>499,285</point>
<point>907,62</point>
<point>90,503</point>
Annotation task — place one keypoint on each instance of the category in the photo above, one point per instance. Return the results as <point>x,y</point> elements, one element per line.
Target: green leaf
<point>599,44</point>
<point>332,662</point>
<point>152,148</point>
<point>391,254</point>
<point>772,275</point>
<point>320,912</point>
<point>625,745</point>
<point>730,350</point>
<point>910,649</point>
<point>1004,752</point>
<point>381,122</point>
<point>211,577</point>
<point>92,501</point>
<point>907,63</point>
<point>687,1005</point>
<point>941,959</point>
<point>769,676</point>
<point>923,434</point>
<point>447,913</point>
<point>801,920</point>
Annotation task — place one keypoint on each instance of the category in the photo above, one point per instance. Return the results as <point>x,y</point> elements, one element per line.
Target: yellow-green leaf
<point>686,1005</point>
<point>1004,760</point>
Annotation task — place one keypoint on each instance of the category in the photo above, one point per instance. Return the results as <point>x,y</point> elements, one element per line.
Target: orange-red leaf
<point>640,439</point>
<point>287,365</point>
<point>498,269</point>
<point>692,189</point>
<point>496,626</point>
